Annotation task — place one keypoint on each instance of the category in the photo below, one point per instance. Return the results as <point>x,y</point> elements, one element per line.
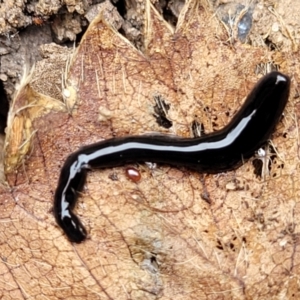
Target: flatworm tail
<point>220,151</point>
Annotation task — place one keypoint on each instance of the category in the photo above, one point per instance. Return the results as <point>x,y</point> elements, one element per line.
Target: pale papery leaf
<point>158,238</point>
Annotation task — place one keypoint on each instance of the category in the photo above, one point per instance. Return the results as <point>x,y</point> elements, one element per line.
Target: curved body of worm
<point>219,151</point>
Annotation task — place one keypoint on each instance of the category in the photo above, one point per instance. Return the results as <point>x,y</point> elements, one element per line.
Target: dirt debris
<point>24,27</point>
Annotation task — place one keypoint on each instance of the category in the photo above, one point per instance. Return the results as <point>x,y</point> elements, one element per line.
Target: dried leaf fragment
<point>155,237</point>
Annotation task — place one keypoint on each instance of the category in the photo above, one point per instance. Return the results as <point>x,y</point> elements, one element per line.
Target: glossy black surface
<point>220,151</point>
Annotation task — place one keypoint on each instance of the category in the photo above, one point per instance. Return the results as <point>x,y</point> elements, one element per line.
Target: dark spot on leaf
<point>160,112</point>
<point>197,129</point>
<point>113,177</point>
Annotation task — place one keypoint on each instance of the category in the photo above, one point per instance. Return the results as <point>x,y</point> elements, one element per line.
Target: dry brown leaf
<point>155,239</point>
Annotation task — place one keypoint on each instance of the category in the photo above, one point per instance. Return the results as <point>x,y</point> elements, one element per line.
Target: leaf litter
<point>155,238</point>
